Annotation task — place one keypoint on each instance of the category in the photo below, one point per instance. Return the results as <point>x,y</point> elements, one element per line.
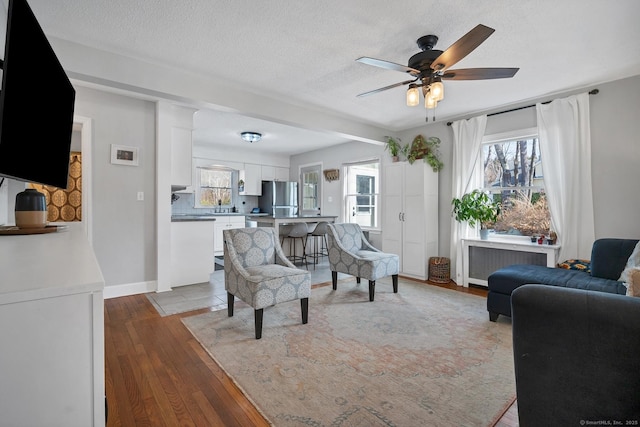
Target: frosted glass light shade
<point>413,96</point>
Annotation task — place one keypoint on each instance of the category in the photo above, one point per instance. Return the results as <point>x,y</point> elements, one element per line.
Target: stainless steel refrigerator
<point>279,198</point>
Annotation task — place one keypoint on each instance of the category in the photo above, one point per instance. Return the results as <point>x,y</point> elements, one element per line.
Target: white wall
<point>123,228</point>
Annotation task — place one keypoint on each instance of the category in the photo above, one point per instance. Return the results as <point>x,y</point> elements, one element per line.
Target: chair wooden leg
<point>372,289</point>
<point>304,305</point>
<point>357,280</point>
<point>230,304</point>
<point>334,279</point>
<point>394,279</point>
<point>259,314</point>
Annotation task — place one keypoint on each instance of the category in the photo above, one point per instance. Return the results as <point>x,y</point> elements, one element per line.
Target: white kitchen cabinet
<point>192,258</point>
<point>275,173</point>
<point>52,333</point>
<point>225,222</point>
<point>252,177</point>
<point>181,157</point>
<point>410,215</point>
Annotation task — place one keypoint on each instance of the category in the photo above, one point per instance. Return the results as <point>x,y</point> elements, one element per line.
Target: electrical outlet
<point>140,196</point>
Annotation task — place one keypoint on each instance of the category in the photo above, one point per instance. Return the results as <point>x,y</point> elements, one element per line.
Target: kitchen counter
<point>276,222</point>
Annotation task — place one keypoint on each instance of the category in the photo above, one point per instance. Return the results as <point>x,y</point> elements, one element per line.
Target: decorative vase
<point>31,209</point>
<point>484,233</point>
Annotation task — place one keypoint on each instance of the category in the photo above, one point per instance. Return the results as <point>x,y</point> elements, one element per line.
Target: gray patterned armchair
<point>257,271</point>
<point>351,253</point>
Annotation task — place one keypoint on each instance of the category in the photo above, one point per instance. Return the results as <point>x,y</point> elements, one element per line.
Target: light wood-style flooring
<point>157,374</point>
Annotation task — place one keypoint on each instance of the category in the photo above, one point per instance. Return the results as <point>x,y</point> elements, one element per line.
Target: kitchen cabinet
<point>192,258</point>
<point>181,157</point>
<point>252,177</point>
<point>274,173</point>
<point>225,222</point>
<point>410,216</point>
<point>52,334</point>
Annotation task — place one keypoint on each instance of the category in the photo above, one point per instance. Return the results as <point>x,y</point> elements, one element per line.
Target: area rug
<point>426,356</point>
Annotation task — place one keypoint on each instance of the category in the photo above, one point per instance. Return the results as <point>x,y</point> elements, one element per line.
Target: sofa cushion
<point>507,279</point>
<point>609,257</point>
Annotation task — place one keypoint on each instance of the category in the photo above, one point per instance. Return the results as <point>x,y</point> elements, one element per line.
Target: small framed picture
<point>122,155</point>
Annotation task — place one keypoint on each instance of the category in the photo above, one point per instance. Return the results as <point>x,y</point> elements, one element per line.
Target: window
<point>214,187</point>
<point>513,175</point>
<point>311,190</point>
<point>362,191</point>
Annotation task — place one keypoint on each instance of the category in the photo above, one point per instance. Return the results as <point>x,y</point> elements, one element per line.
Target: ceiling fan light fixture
<point>430,101</point>
<point>251,136</point>
<point>413,95</point>
<point>437,89</point>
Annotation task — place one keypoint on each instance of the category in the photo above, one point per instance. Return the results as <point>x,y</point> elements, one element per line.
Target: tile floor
<point>212,294</point>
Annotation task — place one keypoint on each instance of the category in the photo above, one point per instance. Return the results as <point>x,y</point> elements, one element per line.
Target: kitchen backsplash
<point>184,205</point>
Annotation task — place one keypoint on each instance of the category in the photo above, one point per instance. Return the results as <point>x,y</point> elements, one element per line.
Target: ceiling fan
<point>429,67</point>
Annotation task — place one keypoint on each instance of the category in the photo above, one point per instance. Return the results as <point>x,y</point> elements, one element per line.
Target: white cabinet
<point>252,177</point>
<point>192,258</point>
<point>52,333</point>
<point>274,173</point>
<point>410,215</point>
<point>181,157</point>
<point>225,223</point>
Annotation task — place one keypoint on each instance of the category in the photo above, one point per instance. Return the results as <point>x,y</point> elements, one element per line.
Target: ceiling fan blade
<point>461,48</point>
<point>388,65</point>
<point>480,73</point>
<point>371,92</point>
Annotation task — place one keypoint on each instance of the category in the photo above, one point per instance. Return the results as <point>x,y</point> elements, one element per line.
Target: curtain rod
<point>591,92</point>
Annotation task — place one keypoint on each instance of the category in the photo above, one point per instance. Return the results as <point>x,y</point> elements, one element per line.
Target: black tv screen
<point>36,102</point>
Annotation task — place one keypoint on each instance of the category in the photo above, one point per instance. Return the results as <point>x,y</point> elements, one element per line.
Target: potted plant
<point>394,147</point>
<point>476,207</point>
<point>424,148</point>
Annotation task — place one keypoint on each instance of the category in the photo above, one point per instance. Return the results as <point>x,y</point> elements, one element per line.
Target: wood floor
<point>157,374</point>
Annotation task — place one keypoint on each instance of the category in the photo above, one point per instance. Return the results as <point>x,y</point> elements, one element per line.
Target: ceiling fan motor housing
<point>422,61</point>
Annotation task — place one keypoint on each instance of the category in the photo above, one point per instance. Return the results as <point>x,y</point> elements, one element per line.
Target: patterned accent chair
<point>351,253</point>
<point>257,271</point>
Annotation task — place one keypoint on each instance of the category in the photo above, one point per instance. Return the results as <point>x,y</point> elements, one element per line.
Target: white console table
<point>51,331</point>
<point>504,244</point>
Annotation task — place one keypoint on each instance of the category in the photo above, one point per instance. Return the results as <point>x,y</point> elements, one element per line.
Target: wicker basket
<point>439,270</point>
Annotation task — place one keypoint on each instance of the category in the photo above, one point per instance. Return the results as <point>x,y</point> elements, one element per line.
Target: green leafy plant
<point>394,146</point>
<point>424,148</point>
<point>476,208</point>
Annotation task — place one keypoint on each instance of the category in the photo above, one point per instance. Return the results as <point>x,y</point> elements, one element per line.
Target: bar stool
<point>319,233</point>
<point>298,231</point>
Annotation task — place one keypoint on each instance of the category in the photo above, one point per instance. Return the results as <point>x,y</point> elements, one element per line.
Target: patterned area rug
<point>424,356</point>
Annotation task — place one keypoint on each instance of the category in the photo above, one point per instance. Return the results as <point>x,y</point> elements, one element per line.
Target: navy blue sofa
<point>576,356</point>
<point>608,259</point>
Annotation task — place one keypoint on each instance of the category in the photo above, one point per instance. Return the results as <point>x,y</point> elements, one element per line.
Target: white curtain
<point>565,143</point>
<point>467,176</point>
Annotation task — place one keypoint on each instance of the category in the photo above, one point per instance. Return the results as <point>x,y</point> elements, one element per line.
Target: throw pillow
<point>576,264</point>
<point>633,285</point>
<point>633,262</point>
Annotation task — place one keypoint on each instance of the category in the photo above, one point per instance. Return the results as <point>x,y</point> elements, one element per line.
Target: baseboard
<point>130,289</point>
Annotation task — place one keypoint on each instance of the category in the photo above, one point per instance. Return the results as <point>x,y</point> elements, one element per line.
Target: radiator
<point>484,261</point>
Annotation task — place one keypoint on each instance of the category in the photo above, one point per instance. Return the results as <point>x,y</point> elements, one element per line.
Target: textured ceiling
<point>304,51</point>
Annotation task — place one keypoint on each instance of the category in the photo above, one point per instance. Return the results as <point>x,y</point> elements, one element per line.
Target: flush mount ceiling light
<point>251,136</point>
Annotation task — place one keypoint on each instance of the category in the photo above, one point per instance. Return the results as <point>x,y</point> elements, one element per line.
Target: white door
<point>392,209</point>
<point>311,189</point>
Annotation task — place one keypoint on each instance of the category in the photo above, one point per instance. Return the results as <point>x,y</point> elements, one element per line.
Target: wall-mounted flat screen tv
<point>36,104</point>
